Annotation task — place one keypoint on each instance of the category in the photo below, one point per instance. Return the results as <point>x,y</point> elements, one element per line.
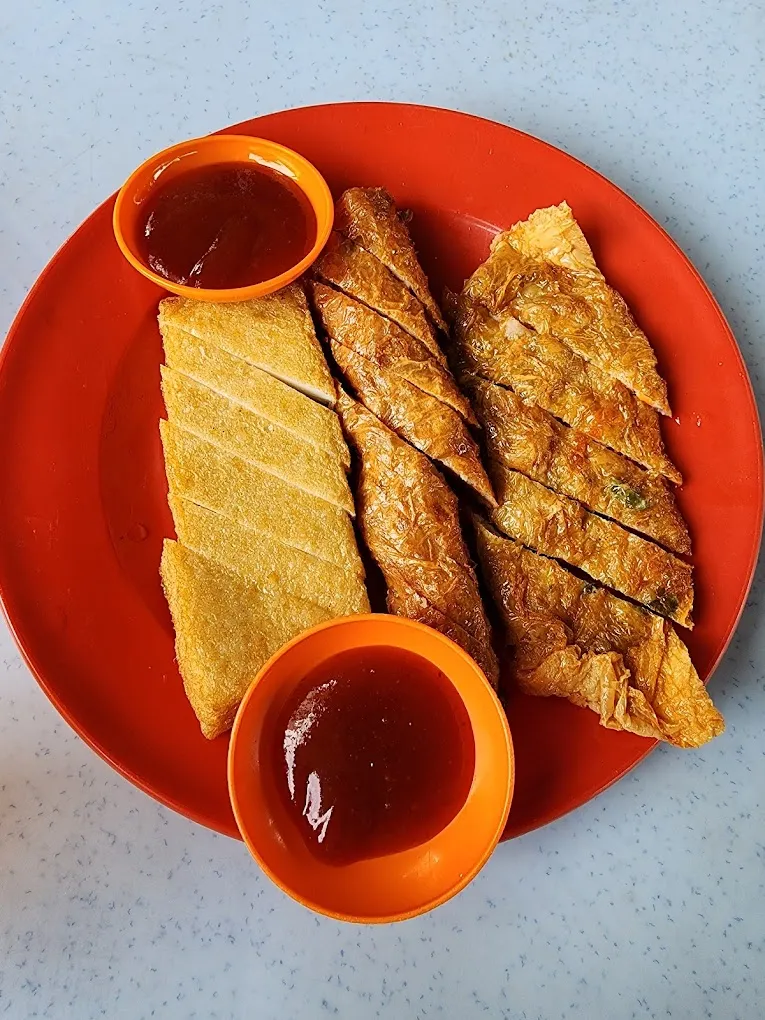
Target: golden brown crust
<point>526,438</point>
<point>231,486</point>
<point>433,427</point>
<point>544,371</point>
<point>374,337</point>
<point>369,217</point>
<point>579,641</point>
<point>270,564</point>
<point>542,270</point>
<point>275,333</point>
<point>405,601</point>
<point>560,527</point>
<point>256,390</point>
<point>408,516</point>
<point>225,629</point>
<point>234,428</point>
<point>350,268</point>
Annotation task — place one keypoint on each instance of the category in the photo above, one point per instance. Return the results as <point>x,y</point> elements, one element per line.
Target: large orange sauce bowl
<point>212,150</point>
<point>399,885</point>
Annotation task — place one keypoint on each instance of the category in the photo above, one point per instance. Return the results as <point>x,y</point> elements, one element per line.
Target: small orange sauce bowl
<point>209,151</point>
<point>400,885</point>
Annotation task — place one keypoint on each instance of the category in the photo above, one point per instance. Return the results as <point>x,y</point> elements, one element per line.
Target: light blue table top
<point>648,902</point>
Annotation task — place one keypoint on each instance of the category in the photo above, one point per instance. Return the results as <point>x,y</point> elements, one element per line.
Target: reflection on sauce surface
<point>228,225</point>
<point>375,754</point>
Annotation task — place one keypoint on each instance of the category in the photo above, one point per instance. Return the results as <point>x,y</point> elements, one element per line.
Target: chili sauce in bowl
<point>223,218</point>
<point>371,768</point>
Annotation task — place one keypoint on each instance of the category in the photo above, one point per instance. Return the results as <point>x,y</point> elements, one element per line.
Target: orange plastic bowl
<point>208,151</point>
<point>400,885</point>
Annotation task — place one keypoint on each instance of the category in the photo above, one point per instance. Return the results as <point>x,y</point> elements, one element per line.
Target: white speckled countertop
<point>649,902</point>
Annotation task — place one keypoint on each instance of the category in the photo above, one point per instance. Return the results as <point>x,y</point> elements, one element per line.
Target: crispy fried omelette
<point>561,527</point>
<point>526,438</point>
<point>546,372</point>
<point>409,519</point>
<point>543,271</point>
<point>577,640</point>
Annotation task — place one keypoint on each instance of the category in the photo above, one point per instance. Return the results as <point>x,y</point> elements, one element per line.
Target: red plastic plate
<point>82,486</point>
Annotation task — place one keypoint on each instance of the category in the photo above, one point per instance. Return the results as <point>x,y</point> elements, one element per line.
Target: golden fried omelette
<point>433,427</point>
<point>543,271</point>
<point>526,438</point>
<point>555,525</point>
<point>577,640</point>
<point>546,372</point>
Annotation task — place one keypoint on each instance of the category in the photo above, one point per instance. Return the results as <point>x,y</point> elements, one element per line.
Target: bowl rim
<point>491,844</point>
<point>324,212</point>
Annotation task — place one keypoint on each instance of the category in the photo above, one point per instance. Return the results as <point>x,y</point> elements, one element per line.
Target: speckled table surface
<point>648,902</point>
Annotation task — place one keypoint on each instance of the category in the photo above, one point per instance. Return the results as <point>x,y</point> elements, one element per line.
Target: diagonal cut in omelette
<point>526,438</point>
<point>434,428</point>
<point>543,271</point>
<point>557,526</point>
<point>579,641</point>
<point>364,331</point>
<point>544,371</point>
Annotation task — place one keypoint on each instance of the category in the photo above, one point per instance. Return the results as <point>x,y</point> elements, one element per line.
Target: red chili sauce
<point>227,225</point>
<point>374,754</point>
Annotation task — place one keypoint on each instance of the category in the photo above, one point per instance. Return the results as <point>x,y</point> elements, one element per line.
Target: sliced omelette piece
<point>403,600</point>
<point>557,526</point>
<point>370,218</point>
<point>226,628</point>
<point>577,640</point>
<point>267,562</point>
<point>256,390</point>
<point>433,427</point>
<point>350,268</point>
<point>526,438</point>
<point>231,486</point>
<point>544,371</point>
<point>543,271</point>
<point>364,331</point>
<point>231,426</point>
<point>409,518</point>
<point>275,333</point>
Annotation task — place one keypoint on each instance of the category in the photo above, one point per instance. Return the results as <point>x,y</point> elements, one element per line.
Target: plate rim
<point>27,652</point>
